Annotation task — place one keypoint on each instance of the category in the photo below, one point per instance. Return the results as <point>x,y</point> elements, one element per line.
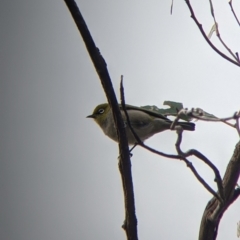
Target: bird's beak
<point>91,116</point>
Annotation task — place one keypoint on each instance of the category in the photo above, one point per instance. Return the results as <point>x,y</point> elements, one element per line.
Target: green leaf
<point>174,108</point>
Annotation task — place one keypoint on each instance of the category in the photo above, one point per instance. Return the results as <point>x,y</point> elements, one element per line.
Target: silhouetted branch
<point>234,14</point>
<point>199,114</point>
<point>237,123</point>
<point>218,33</point>
<point>218,179</point>
<point>138,140</point>
<point>205,160</point>
<point>181,155</point>
<point>215,209</point>
<point>227,193</point>
<point>130,223</point>
<point>205,36</point>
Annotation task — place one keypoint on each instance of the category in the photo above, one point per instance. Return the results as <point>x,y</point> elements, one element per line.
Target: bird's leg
<point>133,147</point>
<point>131,150</point>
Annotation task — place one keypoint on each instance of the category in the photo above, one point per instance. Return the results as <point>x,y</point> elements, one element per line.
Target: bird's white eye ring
<point>101,111</point>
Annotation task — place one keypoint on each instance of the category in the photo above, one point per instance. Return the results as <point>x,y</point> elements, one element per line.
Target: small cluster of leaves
<point>177,109</point>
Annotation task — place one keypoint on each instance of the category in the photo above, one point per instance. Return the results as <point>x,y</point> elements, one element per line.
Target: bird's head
<point>100,113</point>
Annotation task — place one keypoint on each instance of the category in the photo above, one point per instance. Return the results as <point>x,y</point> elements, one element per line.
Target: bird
<point>144,122</point>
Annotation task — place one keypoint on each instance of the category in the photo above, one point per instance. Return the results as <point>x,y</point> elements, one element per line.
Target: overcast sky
<point>59,175</point>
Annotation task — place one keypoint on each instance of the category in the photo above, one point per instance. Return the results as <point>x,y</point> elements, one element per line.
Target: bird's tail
<point>187,126</point>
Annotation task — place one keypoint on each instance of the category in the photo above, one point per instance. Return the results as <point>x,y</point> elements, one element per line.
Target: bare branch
<point>190,165</point>
<point>181,155</point>
<point>171,11</point>
<point>174,123</point>
<point>199,114</point>
<point>215,209</point>
<point>172,156</point>
<point>218,178</point>
<point>237,125</point>
<point>237,56</point>
<point>205,36</point>
<point>234,14</point>
<point>197,154</point>
<point>130,225</point>
<point>138,140</point>
<point>218,33</point>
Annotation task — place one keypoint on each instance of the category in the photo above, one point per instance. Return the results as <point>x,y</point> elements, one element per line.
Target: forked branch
<point>181,155</point>
<point>199,25</point>
<point>215,209</point>
<point>234,14</point>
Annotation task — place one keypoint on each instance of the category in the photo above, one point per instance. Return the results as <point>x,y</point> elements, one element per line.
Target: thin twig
<point>180,156</point>
<point>225,120</point>
<point>225,45</point>
<point>218,33</point>
<point>237,55</point>
<point>171,11</point>
<point>217,120</point>
<point>201,180</point>
<point>236,117</point>
<point>237,126</point>
<point>205,36</point>
<point>218,177</point>
<point>234,14</point>
<point>172,156</point>
<point>175,121</point>
<point>138,140</point>
<point>190,165</point>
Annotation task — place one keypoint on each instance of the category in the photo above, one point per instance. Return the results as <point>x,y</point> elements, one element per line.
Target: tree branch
<point>218,33</point>
<point>215,209</point>
<point>138,140</point>
<point>234,14</point>
<point>130,223</point>
<point>205,36</point>
<point>199,114</point>
<point>205,160</point>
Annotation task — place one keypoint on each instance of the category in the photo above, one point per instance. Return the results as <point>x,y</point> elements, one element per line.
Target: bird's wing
<point>151,113</point>
<point>135,116</point>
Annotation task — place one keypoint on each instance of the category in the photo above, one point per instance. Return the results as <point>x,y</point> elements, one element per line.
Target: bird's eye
<point>101,111</point>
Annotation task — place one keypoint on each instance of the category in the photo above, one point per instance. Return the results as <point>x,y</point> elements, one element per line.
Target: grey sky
<point>59,174</point>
